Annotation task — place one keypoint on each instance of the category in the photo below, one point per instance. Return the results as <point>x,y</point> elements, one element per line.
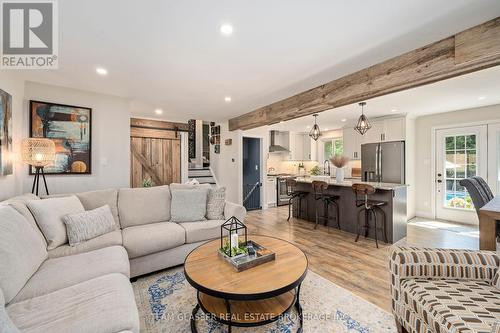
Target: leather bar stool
<point>370,208</point>
<point>298,196</point>
<point>326,199</point>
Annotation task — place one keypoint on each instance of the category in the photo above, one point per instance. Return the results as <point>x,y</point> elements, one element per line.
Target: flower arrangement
<point>339,161</point>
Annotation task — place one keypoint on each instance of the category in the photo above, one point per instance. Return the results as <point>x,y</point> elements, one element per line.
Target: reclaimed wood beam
<point>472,50</point>
<point>158,124</point>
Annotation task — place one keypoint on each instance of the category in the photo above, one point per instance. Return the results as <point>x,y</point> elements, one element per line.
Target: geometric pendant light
<point>315,132</point>
<point>363,124</point>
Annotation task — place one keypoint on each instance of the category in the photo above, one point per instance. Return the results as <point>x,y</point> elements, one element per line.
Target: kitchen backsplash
<point>277,164</point>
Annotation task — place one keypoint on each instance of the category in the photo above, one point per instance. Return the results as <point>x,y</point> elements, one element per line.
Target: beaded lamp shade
<point>38,152</point>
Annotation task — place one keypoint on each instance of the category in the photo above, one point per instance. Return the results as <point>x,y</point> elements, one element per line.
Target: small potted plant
<point>315,171</point>
<point>339,161</point>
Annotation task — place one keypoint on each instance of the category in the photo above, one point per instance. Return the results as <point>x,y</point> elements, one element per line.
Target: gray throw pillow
<point>189,205</point>
<point>215,203</point>
<point>89,224</point>
<point>496,279</point>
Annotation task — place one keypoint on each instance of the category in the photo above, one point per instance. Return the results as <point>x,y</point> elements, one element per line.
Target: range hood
<point>274,148</point>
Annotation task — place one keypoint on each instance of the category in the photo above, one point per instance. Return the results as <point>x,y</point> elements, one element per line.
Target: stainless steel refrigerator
<point>383,162</point>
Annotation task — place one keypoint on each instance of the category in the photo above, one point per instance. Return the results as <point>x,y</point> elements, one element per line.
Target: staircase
<point>203,175</point>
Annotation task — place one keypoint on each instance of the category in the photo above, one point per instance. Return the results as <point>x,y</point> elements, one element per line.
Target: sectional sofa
<point>86,288</point>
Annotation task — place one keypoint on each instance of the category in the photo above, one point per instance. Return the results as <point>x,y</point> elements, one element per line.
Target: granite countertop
<point>350,182</point>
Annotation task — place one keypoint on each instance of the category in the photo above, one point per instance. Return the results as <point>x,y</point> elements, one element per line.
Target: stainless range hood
<point>275,148</point>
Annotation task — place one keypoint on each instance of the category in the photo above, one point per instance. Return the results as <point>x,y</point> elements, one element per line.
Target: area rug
<point>166,300</point>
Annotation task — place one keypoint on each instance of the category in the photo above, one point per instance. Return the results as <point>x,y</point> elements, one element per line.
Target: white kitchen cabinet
<point>392,129</point>
<point>300,147</point>
<point>352,143</point>
<point>271,193</point>
<point>374,134</point>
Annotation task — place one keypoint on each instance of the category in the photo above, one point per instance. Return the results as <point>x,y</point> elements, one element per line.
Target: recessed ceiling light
<point>308,126</point>
<point>343,120</point>
<point>394,110</point>
<point>159,111</point>
<point>480,98</point>
<point>226,29</point>
<point>101,71</point>
<point>326,129</point>
<point>281,122</point>
<point>227,99</point>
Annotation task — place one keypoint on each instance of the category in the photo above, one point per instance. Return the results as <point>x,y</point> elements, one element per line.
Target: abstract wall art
<point>5,133</point>
<point>70,127</point>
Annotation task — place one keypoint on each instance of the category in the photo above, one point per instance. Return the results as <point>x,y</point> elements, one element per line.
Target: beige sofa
<point>86,288</point>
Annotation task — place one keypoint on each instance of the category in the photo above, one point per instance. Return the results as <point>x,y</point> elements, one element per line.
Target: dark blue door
<point>251,173</point>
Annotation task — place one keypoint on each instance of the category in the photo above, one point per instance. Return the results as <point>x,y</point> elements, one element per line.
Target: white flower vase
<point>339,174</point>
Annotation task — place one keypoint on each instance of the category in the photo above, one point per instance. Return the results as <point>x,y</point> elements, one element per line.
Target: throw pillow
<point>83,226</point>
<point>215,203</point>
<point>48,214</point>
<point>189,205</point>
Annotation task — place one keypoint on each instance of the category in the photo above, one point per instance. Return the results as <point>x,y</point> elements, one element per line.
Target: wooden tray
<point>243,262</point>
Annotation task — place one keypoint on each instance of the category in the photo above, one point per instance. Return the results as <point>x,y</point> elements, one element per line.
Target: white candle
<point>234,240</point>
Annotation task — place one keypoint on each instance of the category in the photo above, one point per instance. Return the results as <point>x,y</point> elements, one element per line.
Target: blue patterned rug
<point>165,301</point>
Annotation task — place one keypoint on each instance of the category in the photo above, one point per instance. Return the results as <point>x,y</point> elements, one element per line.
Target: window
<point>460,163</point>
<point>334,146</point>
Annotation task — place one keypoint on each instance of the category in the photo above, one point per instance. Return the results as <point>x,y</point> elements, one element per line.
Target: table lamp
<point>38,152</point>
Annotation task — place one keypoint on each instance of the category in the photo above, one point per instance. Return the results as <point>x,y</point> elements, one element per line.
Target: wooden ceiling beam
<point>471,50</point>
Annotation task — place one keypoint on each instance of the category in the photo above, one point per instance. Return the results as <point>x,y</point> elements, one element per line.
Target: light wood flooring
<point>359,267</point>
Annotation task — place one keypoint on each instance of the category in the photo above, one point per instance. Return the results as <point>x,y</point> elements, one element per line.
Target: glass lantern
<point>232,226</point>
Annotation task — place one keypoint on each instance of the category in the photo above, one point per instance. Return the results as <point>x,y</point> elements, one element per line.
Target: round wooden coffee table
<point>254,297</point>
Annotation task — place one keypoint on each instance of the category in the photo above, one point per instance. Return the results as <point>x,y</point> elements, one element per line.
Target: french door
<point>494,157</point>
<point>460,153</point>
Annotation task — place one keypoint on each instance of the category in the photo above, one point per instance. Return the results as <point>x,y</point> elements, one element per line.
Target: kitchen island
<point>393,194</point>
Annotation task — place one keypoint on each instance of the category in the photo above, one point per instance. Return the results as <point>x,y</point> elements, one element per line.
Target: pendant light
<point>363,124</point>
<point>315,132</point>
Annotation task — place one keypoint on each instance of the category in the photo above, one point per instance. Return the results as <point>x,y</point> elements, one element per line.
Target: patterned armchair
<point>438,291</point>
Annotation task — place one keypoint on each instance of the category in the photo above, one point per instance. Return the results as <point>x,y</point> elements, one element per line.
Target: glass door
<point>460,153</point>
<point>494,157</point>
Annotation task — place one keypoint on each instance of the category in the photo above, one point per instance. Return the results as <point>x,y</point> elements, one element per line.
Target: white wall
<point>224,165</point>
<point>11,83</point>
<point>424,127</point>
<point>410,146</point>
<point>110,138</point>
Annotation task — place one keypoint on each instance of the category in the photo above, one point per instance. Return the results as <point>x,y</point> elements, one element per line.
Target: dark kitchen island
<point>393,194</point>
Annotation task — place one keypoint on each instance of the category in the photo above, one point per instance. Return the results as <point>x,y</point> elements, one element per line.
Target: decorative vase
<point>339,174</point>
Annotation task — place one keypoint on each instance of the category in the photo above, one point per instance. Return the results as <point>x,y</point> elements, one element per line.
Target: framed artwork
<point>70,127</point>
<point>5,134</point>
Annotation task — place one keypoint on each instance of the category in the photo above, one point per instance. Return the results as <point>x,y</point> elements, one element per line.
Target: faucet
<point>327,163</point>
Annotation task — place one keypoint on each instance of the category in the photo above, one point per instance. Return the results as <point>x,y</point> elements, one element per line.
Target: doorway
<point>252,182</point>
<point>461,153</point>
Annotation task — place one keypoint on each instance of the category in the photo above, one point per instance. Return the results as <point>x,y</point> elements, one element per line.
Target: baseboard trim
<point>427,215</point>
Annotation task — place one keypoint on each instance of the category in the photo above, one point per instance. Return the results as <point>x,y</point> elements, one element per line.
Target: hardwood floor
<point>359,267</point>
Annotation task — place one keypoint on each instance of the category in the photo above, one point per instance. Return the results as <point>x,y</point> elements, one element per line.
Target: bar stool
<point>319,188</point>
<point>291,191</point>
<point>370,207</point>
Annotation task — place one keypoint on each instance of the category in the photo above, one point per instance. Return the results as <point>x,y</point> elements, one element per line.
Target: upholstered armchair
<point>437,290</point>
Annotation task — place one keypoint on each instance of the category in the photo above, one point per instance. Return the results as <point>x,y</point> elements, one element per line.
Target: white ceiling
<point>170,55</point>
<point>463,92</point>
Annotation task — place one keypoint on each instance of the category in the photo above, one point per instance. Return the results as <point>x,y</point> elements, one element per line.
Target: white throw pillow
<point>81,227</point>
<point>215,203</point>
<point>189,205</point>
<point>49,213</point>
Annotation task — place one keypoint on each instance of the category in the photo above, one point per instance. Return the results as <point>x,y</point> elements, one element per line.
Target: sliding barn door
<point>155,152</point>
